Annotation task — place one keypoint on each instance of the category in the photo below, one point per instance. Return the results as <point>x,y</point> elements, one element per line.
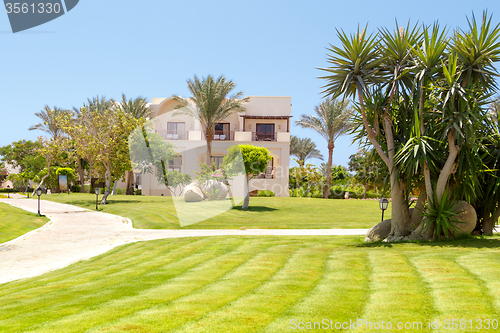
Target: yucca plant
<point>441,214</point>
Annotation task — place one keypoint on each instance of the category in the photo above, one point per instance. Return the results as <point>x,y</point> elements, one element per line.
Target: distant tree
<point>330,121</point>
<point>210,104</point>
<point>246,160</point>
<point>102,137</point>
<point>50,123</point>
<point>52,150</point>
<point>303,149</point>
<point>24,155</point>
<point>139,109</point>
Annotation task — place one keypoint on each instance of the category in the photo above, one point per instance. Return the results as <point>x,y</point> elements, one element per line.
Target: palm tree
<point>210,104</point>
<point>138,109</point>
<point>331,121</point>
<point>50,123</point>
<point>303,149</point>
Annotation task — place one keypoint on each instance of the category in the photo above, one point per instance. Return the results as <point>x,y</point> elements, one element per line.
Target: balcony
<point>222,136</point>
<point>173,134</point>
<point>264,136</point>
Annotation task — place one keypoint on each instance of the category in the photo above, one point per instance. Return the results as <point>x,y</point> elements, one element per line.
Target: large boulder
<point>379,231</point>
<point>467,218</point>
<point>193,193</point>
<point>214,190</point>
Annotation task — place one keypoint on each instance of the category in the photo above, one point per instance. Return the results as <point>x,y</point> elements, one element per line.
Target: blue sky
<point>149,48</point>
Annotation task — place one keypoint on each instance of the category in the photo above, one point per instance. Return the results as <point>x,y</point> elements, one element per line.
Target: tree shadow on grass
<point>256,209</point>
<point>477,242</point>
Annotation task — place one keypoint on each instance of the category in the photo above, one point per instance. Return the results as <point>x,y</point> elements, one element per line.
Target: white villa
<point>264,123</point>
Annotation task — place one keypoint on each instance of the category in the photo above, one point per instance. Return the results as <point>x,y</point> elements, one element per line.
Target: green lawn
<point>282,213</point>
<point>15,222</point>
<point>260,284</point>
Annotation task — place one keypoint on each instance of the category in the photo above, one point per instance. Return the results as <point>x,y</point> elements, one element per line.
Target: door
<point>265,132</point>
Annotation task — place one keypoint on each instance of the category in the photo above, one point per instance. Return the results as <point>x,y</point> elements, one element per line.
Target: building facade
<point>264,123</point>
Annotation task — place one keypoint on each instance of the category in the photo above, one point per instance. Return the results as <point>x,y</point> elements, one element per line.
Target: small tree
<point>247,160</point>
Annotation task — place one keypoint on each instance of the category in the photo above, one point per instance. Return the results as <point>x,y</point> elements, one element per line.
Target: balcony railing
<point>221,136</point>
<point>264,136</point>
<point>173,134</point>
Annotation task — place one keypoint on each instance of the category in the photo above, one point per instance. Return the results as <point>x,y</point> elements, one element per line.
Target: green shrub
<point>265,193</point>
<point>76,188</point>
<point>138,192</point>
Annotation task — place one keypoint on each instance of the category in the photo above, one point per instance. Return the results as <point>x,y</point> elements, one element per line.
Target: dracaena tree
<point>421,96</point>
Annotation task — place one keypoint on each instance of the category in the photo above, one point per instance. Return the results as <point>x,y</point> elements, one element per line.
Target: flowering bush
<point>3,174</point>
<point>211,172</point>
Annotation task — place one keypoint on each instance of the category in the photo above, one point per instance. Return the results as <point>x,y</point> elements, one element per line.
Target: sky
<point>150,48</point>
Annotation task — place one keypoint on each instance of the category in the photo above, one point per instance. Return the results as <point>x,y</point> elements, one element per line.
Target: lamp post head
<point>383,203</point>
<point>39,191</point>
<point>97,191</point>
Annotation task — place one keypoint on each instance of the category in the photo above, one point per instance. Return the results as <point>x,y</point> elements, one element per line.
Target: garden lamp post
<point>39,193</point>
<point>383,206</point>
<point>97,191</point>
<point>8,191</point>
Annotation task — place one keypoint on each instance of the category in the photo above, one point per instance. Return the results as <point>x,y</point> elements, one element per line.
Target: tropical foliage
<point>303,149</point>
<point>422,103</point>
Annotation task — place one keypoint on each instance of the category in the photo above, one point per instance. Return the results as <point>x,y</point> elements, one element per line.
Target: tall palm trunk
<point>331,145</point>
<point>209,133</point>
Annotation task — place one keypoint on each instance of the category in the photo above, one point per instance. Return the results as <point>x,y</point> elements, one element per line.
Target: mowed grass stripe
<point>76,300</point>
<point>485,266</point>
<point>256,310</point>
<point>340,295</point>
<point>397,293</point>
<point>170,283</point>
<point>236,284</point>
<point>102,266</point>
<point>456,292</point>
<point>111,274</point>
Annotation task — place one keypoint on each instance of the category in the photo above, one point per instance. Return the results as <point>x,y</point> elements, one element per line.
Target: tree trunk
<point>209,133</point>
<point>130,177</point>
<point>43,178</point>
<point>489,223</point>
<point>331,145</point>
<point>108,184</point>
<point>246,201</point>
<point>448,166</point>
<point>400,217</point>
<point>81,174</point>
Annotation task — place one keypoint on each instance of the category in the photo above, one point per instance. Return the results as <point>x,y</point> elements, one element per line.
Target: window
<point>175,164</point>
<point>176,131</point>
<point>265,132</point>
<point>217,160</point>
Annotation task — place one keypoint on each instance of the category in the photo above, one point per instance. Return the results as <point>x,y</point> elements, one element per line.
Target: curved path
<point>75,234</point>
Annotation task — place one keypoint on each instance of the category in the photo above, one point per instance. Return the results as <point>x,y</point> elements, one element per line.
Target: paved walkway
<point>75,234</point>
